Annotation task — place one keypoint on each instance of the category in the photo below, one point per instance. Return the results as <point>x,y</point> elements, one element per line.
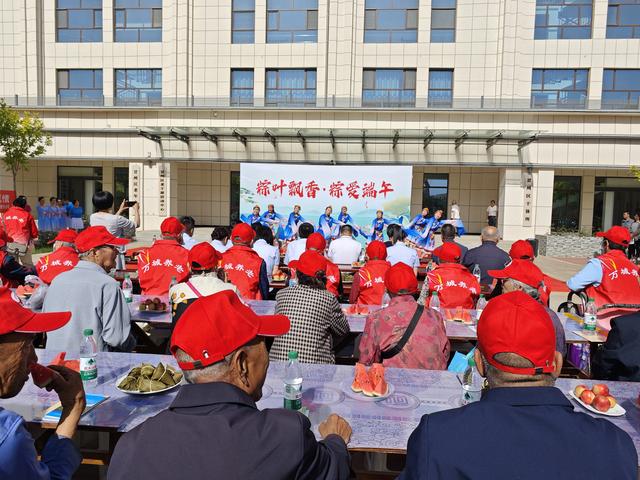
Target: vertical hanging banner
<point>6,199</point>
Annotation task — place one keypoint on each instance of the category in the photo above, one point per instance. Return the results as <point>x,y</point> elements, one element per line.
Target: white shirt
<point>295,249</point>
<point>455,212</point>
<point>492,211</point>
<point>187,241</point>
<point>401,253</point>
<point>206,284</point>
<point>344,250</point>
<point>219,246</point>
<point>269,253</point>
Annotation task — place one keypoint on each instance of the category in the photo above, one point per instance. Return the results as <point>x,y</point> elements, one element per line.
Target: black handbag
<point>397,348</point>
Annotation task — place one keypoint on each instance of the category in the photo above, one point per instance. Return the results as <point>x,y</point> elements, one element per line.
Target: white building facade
<point>529,103</point>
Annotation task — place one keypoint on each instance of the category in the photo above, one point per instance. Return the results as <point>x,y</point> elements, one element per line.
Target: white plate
<point>135,392</point>
<point>616,411</point>
<point>346,388</point>
<point>153,312</point>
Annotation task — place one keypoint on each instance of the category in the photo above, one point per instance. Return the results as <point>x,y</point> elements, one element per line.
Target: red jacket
<point>371,282</point>
<point>20,225</point>
<point>456,286</point>
<point>333,277</point>
<point>242,265</point>
<point>156,266</point>
<point>619,283</point>
<point>52,265</point>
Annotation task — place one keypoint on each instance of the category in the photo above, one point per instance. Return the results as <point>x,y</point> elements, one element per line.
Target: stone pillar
<point>586,203</point>
<point>153,185</point>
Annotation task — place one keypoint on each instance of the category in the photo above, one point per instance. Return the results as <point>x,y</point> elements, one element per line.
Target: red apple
<point>612,400</point>
<point>600,389</point>
<point>601,403</point>
<point>587,397</point>
<point>579,389</point>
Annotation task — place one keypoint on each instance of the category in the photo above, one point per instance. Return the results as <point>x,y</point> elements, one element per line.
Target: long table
<point>378,425</point>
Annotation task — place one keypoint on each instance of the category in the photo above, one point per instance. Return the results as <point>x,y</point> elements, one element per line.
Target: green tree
<point>636,172</point>
<point>22,137</point>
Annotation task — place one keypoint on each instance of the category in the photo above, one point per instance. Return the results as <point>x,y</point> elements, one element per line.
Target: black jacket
<point>619,357</point>
<point>489,256</point>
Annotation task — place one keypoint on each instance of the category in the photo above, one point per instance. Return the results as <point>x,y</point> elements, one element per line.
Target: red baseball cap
<point>67,235</point>
<point>171,227</point>
<point>242,233</point>
<point>376,250</point>
<point>215,326</point>
<point>93,237</point>
<point>522,250</point>
<point>516,323</point>
<point>4,238</point>
<point>616,234</point>
<point>316,242</point>
<point>15,318</point>
<point>448,252</point>
<point>203,257</point>
<point>401,280</point>
<point>310,263</point>
<point>521,270</point>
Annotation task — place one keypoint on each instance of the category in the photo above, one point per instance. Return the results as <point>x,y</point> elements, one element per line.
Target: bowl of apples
<point>597,399</point>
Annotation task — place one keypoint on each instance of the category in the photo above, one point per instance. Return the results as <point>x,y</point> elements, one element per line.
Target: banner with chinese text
<point>6,199</point>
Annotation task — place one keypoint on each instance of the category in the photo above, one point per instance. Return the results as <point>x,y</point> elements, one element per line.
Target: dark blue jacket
<point>215,431</point>
<point>489,256</point>
<point>619,357</point>
<point>524,433</point>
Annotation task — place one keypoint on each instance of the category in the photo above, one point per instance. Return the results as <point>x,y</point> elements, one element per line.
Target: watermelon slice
<point>362,381</point>
<point>362,310</point>
<point>376,373</point>
<point>41,375</point>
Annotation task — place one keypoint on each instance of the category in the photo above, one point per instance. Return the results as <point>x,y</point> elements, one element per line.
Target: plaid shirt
<point>317,324</point>
<point>427,348</point>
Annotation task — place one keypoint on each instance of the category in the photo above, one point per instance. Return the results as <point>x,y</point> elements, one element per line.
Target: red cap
<point>15,318</point>
<point>448,252</point>
<point>216,325</point>
<point>521,270</point>
<point>242,233</point>
<point>516,323</point>
<point>310,263</point>
<point>4,238</point>
<point>316,241</point>
<point>401,280</point>
<point>204,257</point>
<point>67,235</point>
<point>171,227</point>
<point>522,250</point>
<point>616,234</point>
<point>93,237</point>
<point>376,250</point>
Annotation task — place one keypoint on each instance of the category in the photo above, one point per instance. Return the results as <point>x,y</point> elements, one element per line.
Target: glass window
<point>292,21</point>
<point>621,88</point>
<point>290,87</point>
<point>623,19</point>
<point>138,87</point>
<point>386,87</point>
<point>559,88</point>
<point>440,88</point>
<point>391,21</point>
<point>241,87</point>
<point>565,213</point>
<point>243,21</point>
<point>78,21</point>
<point>443,21</point>
<point>138,21</point>
<point>435,191</point>
<point>560,19</point>
<point>79,87</point>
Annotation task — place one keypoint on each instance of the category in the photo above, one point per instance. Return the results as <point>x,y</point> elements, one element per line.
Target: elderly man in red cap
<point>244,267</point>
<point>64,256</point>
<point>92,296</point>
<point>368,283</point>
<point>167,259</point>
<point>455,285</point>
<point>317,243</point>
<point>611,278</point>
<point>214,422</point>
<point>523,250</point>
<point>523,427</point>
<point>18,457</point>
<point>11,272</point>
<point>404,334</point>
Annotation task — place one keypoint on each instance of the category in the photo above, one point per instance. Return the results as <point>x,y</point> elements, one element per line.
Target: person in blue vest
<point>274,221</point>
<point>344,218</point>
<point>253,218</point>
<point>426,237</point>
<point>419,221</point>
<point>293,222</point>
<point>327,225</point>
<point>379,223</point>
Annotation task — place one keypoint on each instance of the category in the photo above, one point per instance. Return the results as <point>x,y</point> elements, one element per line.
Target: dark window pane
<point>627,79</point>
<point>81,78</point>
<point>607,79</point>
<point>442,19</point>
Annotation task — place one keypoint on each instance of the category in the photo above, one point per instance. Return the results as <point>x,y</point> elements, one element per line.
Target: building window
<point>234,200</point>
<point>241,87</point>
<point>384,87</point>
<point>443,21</point>
<point>435,192</point>
<point>440,88</point>
<point>558,19</point>
<point>138,20</point>
<point>292,21</point>
<point>623,19</point>
<point>138,87</point>
<point>80,87</point>
<point>559,88</point>
<point>78,21</point>
<point>565,213</point>
<point>290,87</point>
<point>391,21</point>
<point>243,21</point>
<point>621,88</point>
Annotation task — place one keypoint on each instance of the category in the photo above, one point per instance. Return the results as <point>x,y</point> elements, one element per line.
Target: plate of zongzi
<point>147,379</point>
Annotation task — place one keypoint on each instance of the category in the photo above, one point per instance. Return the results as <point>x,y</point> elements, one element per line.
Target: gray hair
<point>528,289</point>
<point>214,372</point>
<point>66,244</point>
<point>498,378</point>
<point>490,234</point>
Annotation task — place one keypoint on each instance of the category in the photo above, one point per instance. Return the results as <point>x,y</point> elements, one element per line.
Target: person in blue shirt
<point>18,457</point>
<point>327,225</point>
<point>419,221</point>
<point>378,224</point>
<point>293,222</point>
<point>425,237</point>
<point>43,220</point>
<point>76,212</point>
<point>253,218</point>
<point>522,427</point>
<point>344,218</point>
<point>273,220</point>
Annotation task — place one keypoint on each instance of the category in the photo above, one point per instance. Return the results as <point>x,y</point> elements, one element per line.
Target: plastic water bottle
<point>127,288</point>
<point>361,257</point>
<point>590,316</point>
<point>471,383</point>
<point>88,363</point>
<point>435,302</point>
<point>477,272</point>
<point>293,383</point>
<point>482,302</point>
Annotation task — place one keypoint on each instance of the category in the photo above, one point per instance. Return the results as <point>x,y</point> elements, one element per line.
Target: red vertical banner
<point>6,199</point>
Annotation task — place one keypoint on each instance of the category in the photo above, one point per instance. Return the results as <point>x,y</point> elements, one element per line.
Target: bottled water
<point>590,316</point>
<point>471,383</point>
<point>293,281</point>
<point>482,302</point>
<point>293,383</point>
<point>88,363</point>
<point>127,288</point>
<point>477,272</point>
<point>435,302</point>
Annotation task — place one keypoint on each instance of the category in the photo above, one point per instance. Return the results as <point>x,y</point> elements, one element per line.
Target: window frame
<point>370,11</point>
<point>311,32</point>
<point>629,92</point>
<point>557,103</point>
<point>433,103</point>
<point>97,24</point>
<point>389,101</point>
<point>560,27</point>
<point>426,197</point>
<point>560,224</point>
<point>439,29</point>
<point>306,72</point>
<point>635,28</point>
<point>82,99</point>
<point>139,31</point>
<point>237,10</point>
<point>138,102</point>
<point>232,102</point>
